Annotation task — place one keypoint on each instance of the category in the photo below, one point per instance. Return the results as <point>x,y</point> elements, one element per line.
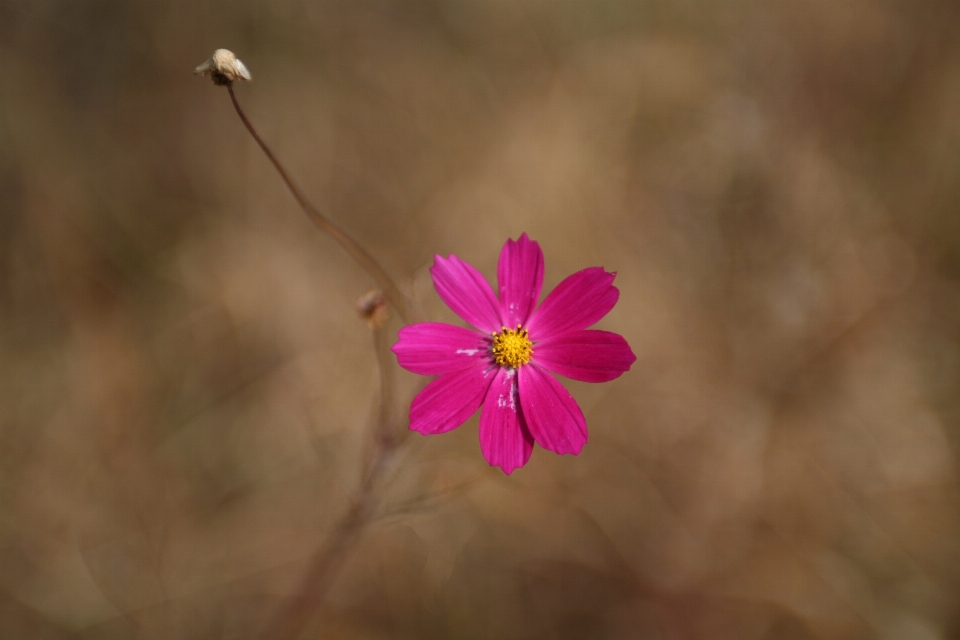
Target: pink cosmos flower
<point>505,367</point>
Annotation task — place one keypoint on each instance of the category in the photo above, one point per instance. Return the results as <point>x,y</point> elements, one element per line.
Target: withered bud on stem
<point>372,307</point>
<point>224,67</point>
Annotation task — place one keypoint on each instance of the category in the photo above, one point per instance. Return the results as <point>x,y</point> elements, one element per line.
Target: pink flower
<point>505,367</point>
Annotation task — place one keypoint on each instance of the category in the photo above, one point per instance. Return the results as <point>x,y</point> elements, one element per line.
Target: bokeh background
<point>187,392</point>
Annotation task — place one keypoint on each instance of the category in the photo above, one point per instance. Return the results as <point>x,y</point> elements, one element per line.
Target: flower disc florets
<point>512,347</point>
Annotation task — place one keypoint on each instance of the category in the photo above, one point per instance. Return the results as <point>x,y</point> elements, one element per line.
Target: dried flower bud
<point>372,307</point>
<point>224,68</point>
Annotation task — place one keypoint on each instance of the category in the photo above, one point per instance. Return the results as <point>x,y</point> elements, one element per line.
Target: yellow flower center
<point>512,347</point>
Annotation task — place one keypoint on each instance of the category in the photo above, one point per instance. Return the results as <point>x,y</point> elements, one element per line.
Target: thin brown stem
<point>363,258</point>
<point>386,429</point>
<point>297,611</point>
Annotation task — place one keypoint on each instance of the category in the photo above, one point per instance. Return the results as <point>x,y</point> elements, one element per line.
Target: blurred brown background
<point>186,390</point>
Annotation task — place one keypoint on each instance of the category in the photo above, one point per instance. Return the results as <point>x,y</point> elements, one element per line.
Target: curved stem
<point>363,258</point>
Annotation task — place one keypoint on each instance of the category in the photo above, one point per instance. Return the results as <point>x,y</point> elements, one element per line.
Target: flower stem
<point>323,567</point>
<point>363,258</point>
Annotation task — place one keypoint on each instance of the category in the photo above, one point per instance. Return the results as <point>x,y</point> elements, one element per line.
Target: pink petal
<point>588,356</point>
<point>520,274</point>
<point>504,438</point>
<point>577,302</point>
<point>465,291</point>
<point>447,402</point>
<point>434,348</point>
<point>553,416</point>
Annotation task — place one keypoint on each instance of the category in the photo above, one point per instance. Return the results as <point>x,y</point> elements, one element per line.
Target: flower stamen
<point>512,347</point>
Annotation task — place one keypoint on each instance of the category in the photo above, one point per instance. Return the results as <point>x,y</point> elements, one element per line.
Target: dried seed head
<point>372,307</point>
<point>224,68</point>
